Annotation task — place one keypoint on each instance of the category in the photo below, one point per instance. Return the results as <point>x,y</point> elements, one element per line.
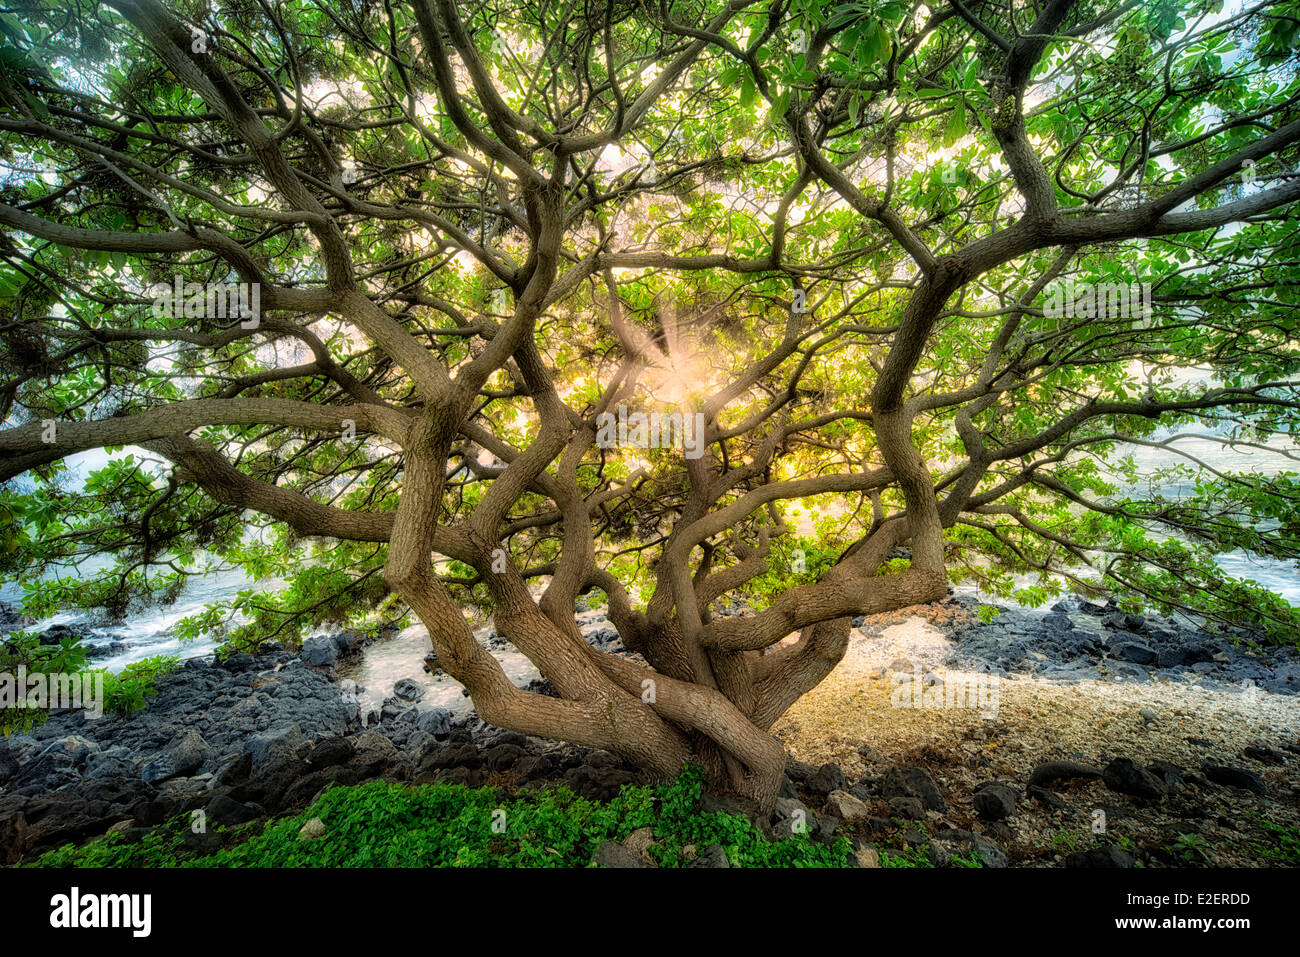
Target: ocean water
<point>149,631</point>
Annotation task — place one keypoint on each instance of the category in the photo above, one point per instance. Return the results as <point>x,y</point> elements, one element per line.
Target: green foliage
<point>792,562</point>
<point>380,824</point>
<point>1191,848</point>
<point>130,688</point>
<point>24,650</point>
<point>1285,843</point>
<point>910,856</point>
<point>123,693</point>
<point>873,79</point>
<point>1068,841</point>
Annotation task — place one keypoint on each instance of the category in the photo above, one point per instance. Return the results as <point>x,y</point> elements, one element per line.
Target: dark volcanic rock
<point>13,837</point>
<point>436,721</point>
<point>827,778</point>
<point>598,784</point>
<point>715,855</point>
<point>799,771</point>
<point>1099,857</point>
<point>913,783</point>
<point>994,801</point>
<point>330,752</point>
<point>408,689</point>
<point>1127,777</point>
<point>1046,797</point>
<point>1264,755</point>
<point>1050,772</point>
<point>908,808</point>
<point>1182,656</point>
<point>183,756</point>
<point>1171,775</point>
<point>320,651</point>
<point>958,841</point>
<point>1234,778</point>
<point>274,743</point>
<point>1074,636</point>
<point>1133,650</point>
<point>225,811</point>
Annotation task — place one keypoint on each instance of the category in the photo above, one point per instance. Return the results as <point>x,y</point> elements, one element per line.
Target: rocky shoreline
<point>1077,639</point>
<point>255,737</point>
<point>251,738</point>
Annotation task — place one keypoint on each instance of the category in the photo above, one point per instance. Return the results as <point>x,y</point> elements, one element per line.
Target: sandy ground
<point>883,697</point>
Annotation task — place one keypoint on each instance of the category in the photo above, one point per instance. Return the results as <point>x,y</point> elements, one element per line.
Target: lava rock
<point>224,810</point>
<point>1128,777</point>
<point>183,756</point>
<point>239,662</point>
<point>13,838</point>
<point>273,744</point>
<point>1137,652</point>
<point>320,651</point>
<point>913,783</point>
<point>1264,755</point>
<point>1171,775</point>
<point>954,842</point>
<point>1235,778</point>
<point>435,721</point>
<point>907,808</point>
<point>76,748</point>
<point>1099,857</point>
<point>502,757</point>
<point>1050,772</point>
<point>994,801</point>
<point>715,855</point>
<point>828,778</point>
<point>1046,797</point>
<point>330,752</point>
<point>408,689</point>
<point>1182,656</point>
<point>799,771</point>
<point>348,640</point>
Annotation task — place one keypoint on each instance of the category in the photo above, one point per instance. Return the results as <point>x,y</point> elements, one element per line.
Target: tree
<point>381,284</point>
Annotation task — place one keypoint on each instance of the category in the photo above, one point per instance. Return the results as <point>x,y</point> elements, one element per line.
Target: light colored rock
<point>845,806</point>
<point>312,830</point>
<point>867,856</point>
<point>639,842</point>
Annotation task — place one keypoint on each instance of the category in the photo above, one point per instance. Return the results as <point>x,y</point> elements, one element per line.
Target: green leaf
<point>956,126</point>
